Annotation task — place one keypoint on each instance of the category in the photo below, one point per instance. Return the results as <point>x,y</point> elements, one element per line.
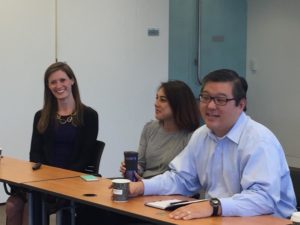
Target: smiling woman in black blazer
<point>64,132</point>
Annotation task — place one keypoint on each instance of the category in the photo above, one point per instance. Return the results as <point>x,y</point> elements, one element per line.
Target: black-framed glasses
<point>218,100</point>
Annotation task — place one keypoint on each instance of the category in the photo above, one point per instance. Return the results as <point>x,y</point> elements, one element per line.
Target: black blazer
<point>41,144</point>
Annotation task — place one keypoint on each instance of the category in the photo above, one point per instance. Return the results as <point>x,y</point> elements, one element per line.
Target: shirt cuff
<point>149,187</point>
<point>227,205</point>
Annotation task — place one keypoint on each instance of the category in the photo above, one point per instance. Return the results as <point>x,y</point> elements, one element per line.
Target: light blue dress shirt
<point>246,170</point>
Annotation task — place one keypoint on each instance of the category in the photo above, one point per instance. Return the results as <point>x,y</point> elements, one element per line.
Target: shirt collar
<point>235,132</point>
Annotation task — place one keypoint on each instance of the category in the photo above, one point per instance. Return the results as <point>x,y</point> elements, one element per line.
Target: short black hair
<point>240,85</point>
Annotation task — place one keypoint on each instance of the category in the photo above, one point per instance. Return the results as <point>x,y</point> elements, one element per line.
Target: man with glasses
<point>237,162</point>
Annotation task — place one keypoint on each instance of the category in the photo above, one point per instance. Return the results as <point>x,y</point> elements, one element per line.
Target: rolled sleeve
<point>227,205</point>
<point>150,187</point>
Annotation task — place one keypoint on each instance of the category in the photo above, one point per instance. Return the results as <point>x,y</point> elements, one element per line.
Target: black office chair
<point>7,189</point>
<point>95,164</point>
<point>295,175</point>
<point>92,169</point>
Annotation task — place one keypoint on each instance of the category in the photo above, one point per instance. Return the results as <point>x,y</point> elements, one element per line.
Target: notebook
<point>88,177</point>
<point>172,204</point>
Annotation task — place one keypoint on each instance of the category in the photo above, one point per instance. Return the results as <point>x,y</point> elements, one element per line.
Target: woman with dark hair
<point>177,116</point>
<point>64,132</point>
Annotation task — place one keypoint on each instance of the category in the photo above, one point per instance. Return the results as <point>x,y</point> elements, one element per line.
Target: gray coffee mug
<point>120,190</point>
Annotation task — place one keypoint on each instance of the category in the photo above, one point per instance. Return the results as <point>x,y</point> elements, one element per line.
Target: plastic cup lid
<point>121,181</point>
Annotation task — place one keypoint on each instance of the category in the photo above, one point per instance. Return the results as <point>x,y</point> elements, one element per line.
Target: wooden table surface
<point>77,189</point>
<point>16,171</point>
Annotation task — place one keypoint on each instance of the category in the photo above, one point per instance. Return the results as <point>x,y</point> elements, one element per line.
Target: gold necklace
<point>68,119</point>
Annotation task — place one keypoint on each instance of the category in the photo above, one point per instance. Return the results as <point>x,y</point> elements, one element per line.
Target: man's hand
<point>192,211</point>
<point>136,188</point>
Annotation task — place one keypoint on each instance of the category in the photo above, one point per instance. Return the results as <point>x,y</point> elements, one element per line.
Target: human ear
<point>243,103</point>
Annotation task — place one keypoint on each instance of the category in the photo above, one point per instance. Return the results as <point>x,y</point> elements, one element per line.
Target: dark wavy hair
<point>240,85</point>
<point>182,103</point>
<point>50,102</point>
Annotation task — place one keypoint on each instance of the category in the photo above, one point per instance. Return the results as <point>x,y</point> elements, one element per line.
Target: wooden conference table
<point>17,172</point>
<point>80,191</point>
<point>69,185</point>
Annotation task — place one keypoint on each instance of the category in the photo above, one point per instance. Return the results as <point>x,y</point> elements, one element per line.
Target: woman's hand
<point>138,177</point>
<point>123,168</point>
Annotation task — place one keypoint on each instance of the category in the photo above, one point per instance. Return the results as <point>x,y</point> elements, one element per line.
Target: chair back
<point>95,164</point>
<point>7,189</point>
<point>295,175</point>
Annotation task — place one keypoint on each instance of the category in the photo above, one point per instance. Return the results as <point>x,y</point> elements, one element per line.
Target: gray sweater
<point>157,148</point>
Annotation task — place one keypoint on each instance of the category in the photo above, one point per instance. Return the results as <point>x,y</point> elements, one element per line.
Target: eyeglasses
<point>218,100</point>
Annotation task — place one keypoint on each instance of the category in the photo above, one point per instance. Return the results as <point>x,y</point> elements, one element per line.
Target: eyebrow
<point>218,94</point>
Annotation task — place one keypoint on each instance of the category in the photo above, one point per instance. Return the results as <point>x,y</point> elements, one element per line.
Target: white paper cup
<point>120,190</point>
<point>296,218</point>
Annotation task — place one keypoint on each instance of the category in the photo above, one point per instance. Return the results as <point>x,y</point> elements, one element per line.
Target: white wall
<point>105,41</point>
<point>118,66</point>
<point>274,93</point>
<point>26,48</point>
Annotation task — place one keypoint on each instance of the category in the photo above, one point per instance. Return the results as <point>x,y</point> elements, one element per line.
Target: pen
<point>189,202</point>
<point>174,203</point>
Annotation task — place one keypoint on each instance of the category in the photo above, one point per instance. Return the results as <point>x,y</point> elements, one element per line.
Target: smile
<point>60,91</point>
<point>212,115</point>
